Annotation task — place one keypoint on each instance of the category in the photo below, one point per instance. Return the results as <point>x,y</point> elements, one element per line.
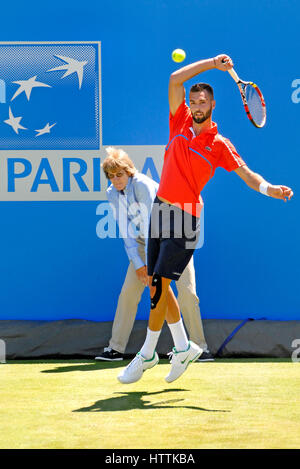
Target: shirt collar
<point>212,131</point>
<point>127,188</point>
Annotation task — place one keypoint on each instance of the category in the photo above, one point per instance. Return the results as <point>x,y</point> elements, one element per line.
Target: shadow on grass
<point>94,366</point>
<point>134,400</point>
<point>69,365</point>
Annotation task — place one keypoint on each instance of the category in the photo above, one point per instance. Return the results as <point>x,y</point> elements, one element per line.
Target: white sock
<point>180,339</point>
<point>148,349</point>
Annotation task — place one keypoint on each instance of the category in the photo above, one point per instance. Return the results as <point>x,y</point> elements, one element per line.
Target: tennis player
<point>194,151</point>
<point>131,196</point>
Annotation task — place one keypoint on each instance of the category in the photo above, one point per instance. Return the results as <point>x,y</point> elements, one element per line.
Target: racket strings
<point>255,106</point>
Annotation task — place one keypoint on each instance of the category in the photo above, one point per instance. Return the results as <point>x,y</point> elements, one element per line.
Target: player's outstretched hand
<point>223,62</point>
<point>280,192</point>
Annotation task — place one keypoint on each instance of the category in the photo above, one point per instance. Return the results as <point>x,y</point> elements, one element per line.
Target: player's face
<point>119,179</point>
<point>201,106</point>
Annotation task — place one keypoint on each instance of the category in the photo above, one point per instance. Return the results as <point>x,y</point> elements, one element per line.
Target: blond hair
<point>116,160</point>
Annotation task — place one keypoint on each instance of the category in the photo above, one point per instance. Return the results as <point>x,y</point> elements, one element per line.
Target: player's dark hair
<point>202,87</point>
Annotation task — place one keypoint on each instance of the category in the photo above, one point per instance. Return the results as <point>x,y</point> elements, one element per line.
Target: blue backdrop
<point>53,265</point>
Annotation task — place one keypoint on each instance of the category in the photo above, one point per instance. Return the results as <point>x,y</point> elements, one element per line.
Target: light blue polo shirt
<point>132,209</point>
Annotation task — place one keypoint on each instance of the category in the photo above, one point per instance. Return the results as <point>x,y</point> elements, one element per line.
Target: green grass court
<point>79,404</point>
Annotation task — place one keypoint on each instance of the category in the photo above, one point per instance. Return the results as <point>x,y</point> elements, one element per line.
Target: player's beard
<point>203,118</point>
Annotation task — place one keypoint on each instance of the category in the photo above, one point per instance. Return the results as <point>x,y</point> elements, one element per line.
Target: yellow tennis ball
<point>178,55</point>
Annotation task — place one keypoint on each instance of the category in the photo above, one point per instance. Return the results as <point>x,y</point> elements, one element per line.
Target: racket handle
<point>234,75</point>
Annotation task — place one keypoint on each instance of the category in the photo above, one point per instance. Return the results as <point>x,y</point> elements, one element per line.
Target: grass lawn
<point>79,404</point>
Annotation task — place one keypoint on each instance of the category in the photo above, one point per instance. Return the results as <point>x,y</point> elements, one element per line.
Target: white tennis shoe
<point>181,360</point>
<point>135,369</point>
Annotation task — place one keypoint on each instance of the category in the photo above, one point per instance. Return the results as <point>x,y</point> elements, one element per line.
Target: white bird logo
<point>27,85</point>
<point>44,130</point>
<point>14,122</point>
<point>71,66</point>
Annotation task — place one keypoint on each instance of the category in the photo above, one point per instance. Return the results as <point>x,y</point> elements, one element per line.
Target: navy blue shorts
<point>173,237</point>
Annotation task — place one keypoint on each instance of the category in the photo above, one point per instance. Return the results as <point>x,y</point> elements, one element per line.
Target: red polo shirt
<point>190,162</point>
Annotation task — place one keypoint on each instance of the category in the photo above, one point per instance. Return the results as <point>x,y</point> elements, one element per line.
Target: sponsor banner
<point>50,96</point>
<point>51,123</point>
<point>67,175</point>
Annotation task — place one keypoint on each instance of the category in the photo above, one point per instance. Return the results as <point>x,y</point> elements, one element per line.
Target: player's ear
<point>213,104</point>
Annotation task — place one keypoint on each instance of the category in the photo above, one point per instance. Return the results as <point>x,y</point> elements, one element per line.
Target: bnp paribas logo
<point>50,96</point>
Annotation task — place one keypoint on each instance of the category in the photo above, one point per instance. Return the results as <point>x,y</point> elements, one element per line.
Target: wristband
<point>263,188</point>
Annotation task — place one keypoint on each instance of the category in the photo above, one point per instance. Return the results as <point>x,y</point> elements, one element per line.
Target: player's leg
<point>179,249</point>
<point>159,291</point>
<point>185,351</point>
<point>147,357</point>
<point>164,306</point>
<point>175,323</point>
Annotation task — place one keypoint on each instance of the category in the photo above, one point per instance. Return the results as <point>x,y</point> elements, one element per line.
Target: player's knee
<point>150,285</point>
<point>157,290</point>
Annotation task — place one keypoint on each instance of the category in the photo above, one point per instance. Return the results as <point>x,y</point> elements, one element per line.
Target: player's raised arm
<point>258,183</point>
<point>176,89</point>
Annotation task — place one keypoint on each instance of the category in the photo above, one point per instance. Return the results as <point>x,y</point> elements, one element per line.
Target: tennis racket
<point>253,100</point>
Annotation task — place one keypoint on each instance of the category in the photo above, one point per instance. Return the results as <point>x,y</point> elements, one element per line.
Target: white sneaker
<point>134,371</point>
<point>181,360</point>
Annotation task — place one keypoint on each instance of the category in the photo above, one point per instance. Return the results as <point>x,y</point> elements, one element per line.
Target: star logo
<point>45,130</point>
<point>53,91</point>
<point>14,122</point>
<point>27,85</point>
<point>71,66</point>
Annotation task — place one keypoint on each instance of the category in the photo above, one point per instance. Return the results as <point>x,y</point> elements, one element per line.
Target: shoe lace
<point>173,355</point>
<point>107,349</point>
<point>133,362</point>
